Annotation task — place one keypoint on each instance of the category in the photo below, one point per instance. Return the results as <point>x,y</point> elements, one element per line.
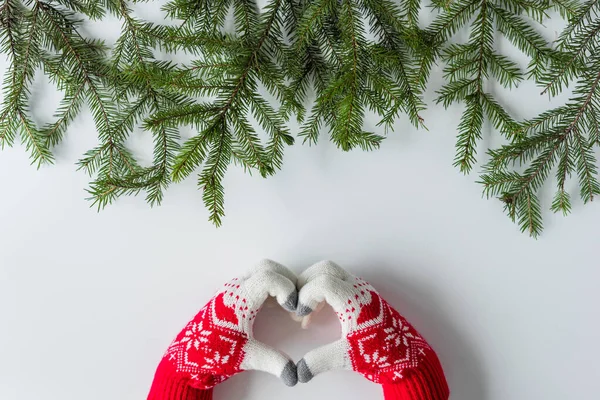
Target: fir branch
<point>21,40</point>
<point>576,42</point>
<point>132,60</point>
<point>357,56</point>
<point>225,133</point>
<point>470,66</point>
<point>211,178</point>
<point>362,71</point>
<point>562,134</point>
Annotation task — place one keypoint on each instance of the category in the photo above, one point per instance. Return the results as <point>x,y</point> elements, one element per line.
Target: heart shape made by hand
<point>376,341</point>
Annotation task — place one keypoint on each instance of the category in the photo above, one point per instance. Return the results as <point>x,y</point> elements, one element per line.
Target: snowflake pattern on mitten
<point>376,341</point>
<point>383,344</point>
<point>211,347</point>
<point>218,342</point>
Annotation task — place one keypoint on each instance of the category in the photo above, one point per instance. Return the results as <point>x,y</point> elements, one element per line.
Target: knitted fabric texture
<point>218,342</point>
<point>376,342</point>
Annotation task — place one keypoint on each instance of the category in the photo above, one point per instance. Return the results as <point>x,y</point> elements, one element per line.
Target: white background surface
<point>89,301</point>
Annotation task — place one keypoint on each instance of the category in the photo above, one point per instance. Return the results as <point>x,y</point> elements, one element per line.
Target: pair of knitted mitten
<point>376,342</point>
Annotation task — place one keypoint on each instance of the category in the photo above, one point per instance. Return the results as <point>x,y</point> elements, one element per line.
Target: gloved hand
<point>218,342</point>
<point>376,341</point>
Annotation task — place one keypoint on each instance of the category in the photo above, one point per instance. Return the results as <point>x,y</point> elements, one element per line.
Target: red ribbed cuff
<point>427,383</point>
<point>171,386</point>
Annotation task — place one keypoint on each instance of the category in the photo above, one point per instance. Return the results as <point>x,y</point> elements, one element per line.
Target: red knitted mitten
<point>218,342</point>
<point>376,342</point>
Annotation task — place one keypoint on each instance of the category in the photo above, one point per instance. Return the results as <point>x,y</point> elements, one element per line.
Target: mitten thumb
<point>326,358</point>
<point>261,357</point>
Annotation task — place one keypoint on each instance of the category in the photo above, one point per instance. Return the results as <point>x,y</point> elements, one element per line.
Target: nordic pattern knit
<point>376,342</point>
<point>218,342</point>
